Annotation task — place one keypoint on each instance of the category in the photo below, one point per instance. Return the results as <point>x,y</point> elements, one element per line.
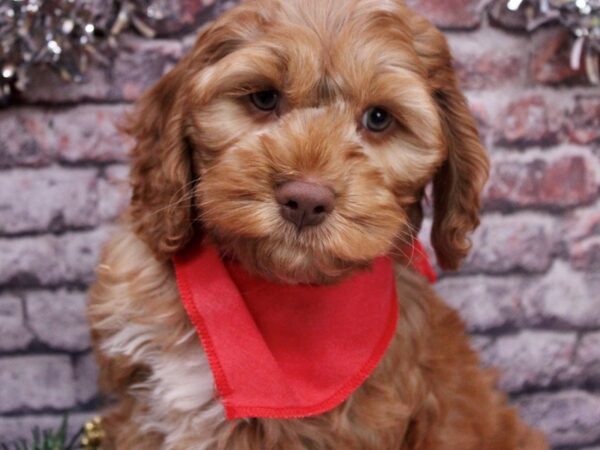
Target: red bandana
<point>284,351</point>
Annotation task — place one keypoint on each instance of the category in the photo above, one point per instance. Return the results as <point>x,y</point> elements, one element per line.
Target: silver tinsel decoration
<point>582,17</point>
<point>64,34</point>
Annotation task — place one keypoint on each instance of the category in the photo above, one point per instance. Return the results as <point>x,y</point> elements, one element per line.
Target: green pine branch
<point>47,439</point>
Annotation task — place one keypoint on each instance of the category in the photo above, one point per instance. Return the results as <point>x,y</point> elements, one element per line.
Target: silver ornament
<point>65,35</point>
<point>581,17</point>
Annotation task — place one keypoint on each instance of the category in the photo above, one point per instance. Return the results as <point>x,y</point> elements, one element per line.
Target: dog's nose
<point>304,204</point>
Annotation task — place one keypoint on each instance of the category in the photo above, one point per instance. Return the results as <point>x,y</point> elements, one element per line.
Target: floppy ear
<point>460,180</point>
<point>161,174</point>
<point>162,206</point>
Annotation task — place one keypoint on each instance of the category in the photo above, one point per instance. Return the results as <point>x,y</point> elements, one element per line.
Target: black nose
<point>304,204</point>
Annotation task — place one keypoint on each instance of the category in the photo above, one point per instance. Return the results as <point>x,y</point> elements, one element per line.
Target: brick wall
<point>529,291</point>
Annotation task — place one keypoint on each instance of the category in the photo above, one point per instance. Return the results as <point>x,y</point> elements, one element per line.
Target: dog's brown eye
<point>377,119</point>
<point>265,100</point>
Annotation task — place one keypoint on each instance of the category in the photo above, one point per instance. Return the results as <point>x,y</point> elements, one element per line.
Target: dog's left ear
<point>460,180</point>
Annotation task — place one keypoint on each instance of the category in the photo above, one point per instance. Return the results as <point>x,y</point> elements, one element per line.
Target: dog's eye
<point>265,100</point>
<point>377,119</point>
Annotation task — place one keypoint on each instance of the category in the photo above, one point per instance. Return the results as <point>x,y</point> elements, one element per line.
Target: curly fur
<point>207,163</point>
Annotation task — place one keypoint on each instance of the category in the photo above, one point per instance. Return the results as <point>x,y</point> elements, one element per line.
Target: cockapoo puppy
<point>297,138</point>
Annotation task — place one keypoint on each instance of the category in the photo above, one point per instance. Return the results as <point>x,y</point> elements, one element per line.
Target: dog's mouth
<point>299,230</point>
<point>313,251</point>
<point>289,261</point>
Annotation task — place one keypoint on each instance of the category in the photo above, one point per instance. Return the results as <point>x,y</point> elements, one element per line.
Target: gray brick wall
<point>530,291</point>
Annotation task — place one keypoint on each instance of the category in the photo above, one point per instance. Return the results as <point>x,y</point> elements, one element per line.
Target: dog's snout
<point>304,204</point>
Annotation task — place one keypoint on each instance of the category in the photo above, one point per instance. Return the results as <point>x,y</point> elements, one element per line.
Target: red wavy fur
<point>206,162</point>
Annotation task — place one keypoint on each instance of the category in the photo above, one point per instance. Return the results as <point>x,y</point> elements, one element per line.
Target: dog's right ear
<point>161,174</point>
<point>162,178</point>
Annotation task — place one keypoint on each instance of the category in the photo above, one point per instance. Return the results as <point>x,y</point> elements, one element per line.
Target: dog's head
<point>300,136</point>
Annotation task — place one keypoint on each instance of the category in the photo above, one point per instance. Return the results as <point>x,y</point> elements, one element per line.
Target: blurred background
<point>529,292</point>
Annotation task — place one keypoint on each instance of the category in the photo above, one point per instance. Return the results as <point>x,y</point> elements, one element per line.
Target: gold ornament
<point>93,434</point>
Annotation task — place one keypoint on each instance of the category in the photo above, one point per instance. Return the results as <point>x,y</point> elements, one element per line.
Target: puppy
<point>355,101</point>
